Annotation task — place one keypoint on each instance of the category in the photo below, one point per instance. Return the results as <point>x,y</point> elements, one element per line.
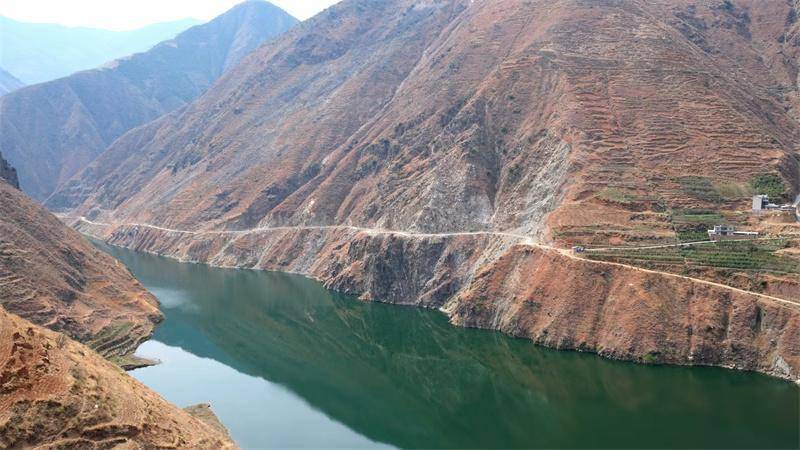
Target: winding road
<point>524,240</point>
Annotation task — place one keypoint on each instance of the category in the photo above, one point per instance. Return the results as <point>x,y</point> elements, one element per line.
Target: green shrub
<point>650,358</point>
<point>617,195</point>
<point>771,185</point>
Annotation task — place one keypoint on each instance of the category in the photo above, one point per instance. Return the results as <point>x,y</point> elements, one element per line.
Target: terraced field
<point>741,255</point>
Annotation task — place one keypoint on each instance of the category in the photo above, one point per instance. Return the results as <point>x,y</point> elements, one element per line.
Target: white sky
<point>130,14</point>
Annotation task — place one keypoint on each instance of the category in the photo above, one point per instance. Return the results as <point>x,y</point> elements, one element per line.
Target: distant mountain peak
<point>52,130</point>
<point>39,52</point>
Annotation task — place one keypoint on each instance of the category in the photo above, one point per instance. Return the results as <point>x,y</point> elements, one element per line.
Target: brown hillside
<point>568,121</point>
<point>451,115</point>
<point>505,283</point>
<point>50,275</point>
<point>50,131</point>
<point>56,393</point>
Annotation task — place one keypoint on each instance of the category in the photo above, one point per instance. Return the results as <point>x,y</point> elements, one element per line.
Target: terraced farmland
<point>740,255</point>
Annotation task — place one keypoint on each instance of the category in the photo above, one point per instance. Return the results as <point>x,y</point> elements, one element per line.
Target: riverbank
<point>497,282</point>
<point>288,363</point>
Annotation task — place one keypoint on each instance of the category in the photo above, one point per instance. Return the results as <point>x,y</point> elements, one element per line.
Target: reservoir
<point>287,363</point>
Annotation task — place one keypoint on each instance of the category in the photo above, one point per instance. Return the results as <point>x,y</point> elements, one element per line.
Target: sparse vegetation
<point>727,5</point>
<point>733,190</point>
<point>617,195</point>
<point>650,358</point>
<point>700,188</point>
<point>514,174</point>
<point>741,255</point>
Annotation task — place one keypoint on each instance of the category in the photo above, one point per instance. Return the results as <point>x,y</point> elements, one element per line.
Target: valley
<point>51,131</point>
<point>285,362</point>
<point>505,282</point>
<point>459,179</point>
<point>557,189</point>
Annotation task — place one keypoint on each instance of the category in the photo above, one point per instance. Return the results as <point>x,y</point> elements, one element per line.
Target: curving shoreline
<point>491,282</point>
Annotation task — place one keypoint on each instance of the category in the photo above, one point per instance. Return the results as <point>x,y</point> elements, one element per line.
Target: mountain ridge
<point>8,82</point>
<point>41,52</point>
<point>572,122</point>
<point>227,106</point>
<point>52,130</point>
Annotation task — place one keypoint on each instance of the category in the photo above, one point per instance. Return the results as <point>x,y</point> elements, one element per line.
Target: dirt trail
<point>524,240</point>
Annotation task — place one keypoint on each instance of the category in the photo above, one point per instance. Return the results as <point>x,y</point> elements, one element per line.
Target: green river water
<point>287,363</point>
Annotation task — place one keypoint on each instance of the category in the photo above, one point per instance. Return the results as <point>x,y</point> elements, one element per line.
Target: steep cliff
<point>52,130</point>
<point>57,393</point>
<point>50,275</point>
<point>510,283</point>
<point>549,123</point>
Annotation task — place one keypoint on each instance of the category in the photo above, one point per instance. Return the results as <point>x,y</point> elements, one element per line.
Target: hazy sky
<point>129,14</point>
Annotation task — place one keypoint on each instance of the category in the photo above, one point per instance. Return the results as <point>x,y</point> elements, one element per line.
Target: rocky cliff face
<point>8,173</point>
<point>56,393</point>
<point>52,130</point>
<point>565,121</point>
<point>514,285</point>
<point>50,275</point>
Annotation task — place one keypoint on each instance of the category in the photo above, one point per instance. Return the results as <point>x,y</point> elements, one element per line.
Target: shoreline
<point>450,318</point>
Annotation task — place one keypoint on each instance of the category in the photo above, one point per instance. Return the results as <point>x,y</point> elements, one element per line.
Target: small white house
<point>723,232</point>
<point>760,202</point>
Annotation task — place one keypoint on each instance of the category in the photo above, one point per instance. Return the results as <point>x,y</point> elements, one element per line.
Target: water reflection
<point>407,378</point>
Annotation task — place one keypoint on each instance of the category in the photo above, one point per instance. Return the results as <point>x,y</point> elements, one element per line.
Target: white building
<point>723,232</point>
<point>760,202</point>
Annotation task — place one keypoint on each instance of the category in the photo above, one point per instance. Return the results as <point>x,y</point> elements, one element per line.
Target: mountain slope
<point>42,52</point>
<point>561,122</point>
<point>52,130</point>
<point>8,173</point>
<point>50,275</point>
<point>8,83</point>
<point>56,393</point>
<point>392,119</point>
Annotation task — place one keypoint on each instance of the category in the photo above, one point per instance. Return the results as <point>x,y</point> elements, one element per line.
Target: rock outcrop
<point>52,130</point>
<point>564,121</point>
<point>50,275</point>
<point>8,173</point>
<point>57,393</point>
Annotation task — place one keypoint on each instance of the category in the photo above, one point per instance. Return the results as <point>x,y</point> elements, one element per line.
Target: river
<point>287,363</point>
